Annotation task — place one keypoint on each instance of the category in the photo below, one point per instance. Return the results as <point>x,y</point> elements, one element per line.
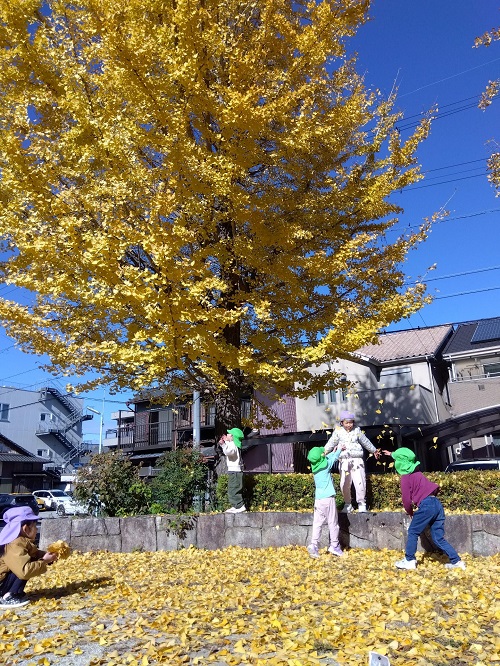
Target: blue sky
<point>426,48</point>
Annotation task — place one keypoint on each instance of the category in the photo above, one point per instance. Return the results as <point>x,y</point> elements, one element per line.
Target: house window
<point>332,395</point>
<point>320,398</point>
<point>393,377</point>
<point>491,369</point>
<point>4,411</point>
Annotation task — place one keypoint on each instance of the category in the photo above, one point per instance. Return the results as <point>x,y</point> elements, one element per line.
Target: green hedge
<point>474,490</point>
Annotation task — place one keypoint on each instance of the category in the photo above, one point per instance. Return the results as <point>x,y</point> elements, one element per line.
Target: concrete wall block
<point>54,529</point>
<point>211,531</point>
<point>354,530</point>
<point>95,526</point>
<point>173,532</point>
<point>138,533</point>
<point>387,530</point>
<point>250,537</point>
<point>113,543</point>
<point>272,518</point>
<point>288,535</point>
<point>458,532</point>
<point>249,519</point>
<point>485,530</point>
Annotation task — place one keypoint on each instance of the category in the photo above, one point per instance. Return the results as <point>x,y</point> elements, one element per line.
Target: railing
<point>472,378</point>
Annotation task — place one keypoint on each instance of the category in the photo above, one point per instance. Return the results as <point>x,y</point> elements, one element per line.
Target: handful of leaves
<point>61,548</point>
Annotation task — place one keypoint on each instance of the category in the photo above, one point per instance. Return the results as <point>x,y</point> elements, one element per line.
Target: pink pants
<point>352,470</point>
<point>325,511</point>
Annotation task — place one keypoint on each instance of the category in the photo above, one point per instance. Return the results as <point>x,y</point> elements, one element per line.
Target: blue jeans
<point>430,512</point>
<point>11,583</point>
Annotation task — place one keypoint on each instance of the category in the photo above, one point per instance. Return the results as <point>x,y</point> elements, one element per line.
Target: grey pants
<point>235,489</point>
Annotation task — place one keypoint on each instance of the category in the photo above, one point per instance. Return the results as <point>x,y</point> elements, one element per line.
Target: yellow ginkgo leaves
<point>61,548</point>
<point>262,607</point>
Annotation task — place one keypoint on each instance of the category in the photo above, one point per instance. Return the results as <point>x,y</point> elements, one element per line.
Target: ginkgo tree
<point>196,194</point>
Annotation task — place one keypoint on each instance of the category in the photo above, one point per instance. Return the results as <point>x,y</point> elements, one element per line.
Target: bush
<point>182,478</point>
<point>110,486</point>
<point>474,490</point>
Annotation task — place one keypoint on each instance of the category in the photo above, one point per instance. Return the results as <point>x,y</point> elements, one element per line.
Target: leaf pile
<point>272,606</point>
<point>61,548</point>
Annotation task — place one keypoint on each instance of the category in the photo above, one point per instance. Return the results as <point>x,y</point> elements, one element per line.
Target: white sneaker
<point>458,565</point>
<point>406,564</point>
<point>242,509</point>
<point>362,508</point>
<point>313,551</point>
<point>231,510</point>
<point>347,508</point>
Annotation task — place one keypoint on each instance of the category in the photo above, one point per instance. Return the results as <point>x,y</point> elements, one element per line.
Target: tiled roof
<point>461,340</point>
<point>400,345</point>
<point>17,457</point>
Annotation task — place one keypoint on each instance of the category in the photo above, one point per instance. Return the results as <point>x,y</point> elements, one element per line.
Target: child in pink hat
<point>351,462</point>
<point>20,559</point>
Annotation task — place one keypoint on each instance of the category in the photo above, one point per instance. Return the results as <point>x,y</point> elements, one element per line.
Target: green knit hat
<point>237,436</point>
<point>405,461</point>
<point>316,457</point>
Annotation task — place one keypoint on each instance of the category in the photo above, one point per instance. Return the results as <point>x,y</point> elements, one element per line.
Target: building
<point>47,423</point>
<point>20,471</point>
<point>408,388</point>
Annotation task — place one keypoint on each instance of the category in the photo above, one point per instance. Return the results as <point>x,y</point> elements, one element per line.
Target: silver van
<point>483,463</point>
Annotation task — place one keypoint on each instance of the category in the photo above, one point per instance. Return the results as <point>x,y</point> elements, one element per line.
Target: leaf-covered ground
<point>240,606</point>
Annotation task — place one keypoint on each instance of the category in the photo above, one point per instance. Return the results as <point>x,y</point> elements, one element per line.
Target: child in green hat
<point>325,508</point>
<point>231,446</point>
<point>417,490</point>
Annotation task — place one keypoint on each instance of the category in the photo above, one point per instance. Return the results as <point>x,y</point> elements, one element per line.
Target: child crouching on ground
<point>417,490</point>
<point>20,559</point>
<point>325,508</point>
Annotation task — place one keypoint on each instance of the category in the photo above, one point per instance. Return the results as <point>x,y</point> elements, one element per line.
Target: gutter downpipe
<point>431,378</point>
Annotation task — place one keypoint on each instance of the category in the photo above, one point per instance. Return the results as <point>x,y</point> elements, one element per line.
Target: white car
<point>59,501</point>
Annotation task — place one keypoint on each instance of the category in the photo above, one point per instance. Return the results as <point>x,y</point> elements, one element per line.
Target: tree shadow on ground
<point>71,588</point>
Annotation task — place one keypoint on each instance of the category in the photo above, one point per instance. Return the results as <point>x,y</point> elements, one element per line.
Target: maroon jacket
<point>414,488</point>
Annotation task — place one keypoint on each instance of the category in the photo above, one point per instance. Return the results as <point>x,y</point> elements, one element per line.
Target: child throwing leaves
<point>231,446</point>
<point>20,559</point>
<point>417,490</point>
<point>352,465</point>
<point>325,508</point>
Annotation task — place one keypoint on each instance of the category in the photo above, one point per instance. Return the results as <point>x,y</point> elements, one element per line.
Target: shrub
<point>474,490</point>
<point>110,486</point>
<point>182,478</point>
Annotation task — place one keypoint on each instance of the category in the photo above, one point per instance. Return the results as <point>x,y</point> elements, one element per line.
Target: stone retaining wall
<point>477,534</point>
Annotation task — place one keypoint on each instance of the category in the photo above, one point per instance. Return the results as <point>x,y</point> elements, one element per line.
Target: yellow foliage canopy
<point>197,191</point>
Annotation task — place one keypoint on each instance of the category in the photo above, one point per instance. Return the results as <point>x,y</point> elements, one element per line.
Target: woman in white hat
<point>20,558</point>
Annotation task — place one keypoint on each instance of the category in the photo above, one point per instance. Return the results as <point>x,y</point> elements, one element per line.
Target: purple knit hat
<point>13,519</point>
<point>346,416</point>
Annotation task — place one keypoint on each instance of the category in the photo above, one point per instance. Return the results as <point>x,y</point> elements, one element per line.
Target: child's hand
<point>50,557</point>
<point>386,453</point>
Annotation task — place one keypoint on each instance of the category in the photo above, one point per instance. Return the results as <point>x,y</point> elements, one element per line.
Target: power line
<point>466,293</point>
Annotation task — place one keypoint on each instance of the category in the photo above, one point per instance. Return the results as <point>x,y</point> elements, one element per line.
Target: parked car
<point>463,465</point>
<point>10,500</point>
<point>59,501</point>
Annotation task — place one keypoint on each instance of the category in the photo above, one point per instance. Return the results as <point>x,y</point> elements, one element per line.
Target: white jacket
<point>354,442</point>
<point>233,456</point>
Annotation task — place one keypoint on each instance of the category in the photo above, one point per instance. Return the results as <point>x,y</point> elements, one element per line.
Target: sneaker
<point>336,551</point>
<point>406,564</point>
<point>457,565</point>
<point>347,508</point>
<point>11,601</point>
<point>231,510</point>
<point>242,509</point>
<point>313,551</point>
<point>362,508</point>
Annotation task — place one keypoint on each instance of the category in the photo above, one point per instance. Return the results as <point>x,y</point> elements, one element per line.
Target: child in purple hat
<point>351,462</point>
<point>20,559</point>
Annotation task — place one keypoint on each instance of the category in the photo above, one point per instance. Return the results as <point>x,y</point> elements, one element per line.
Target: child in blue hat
<point>20,558</point>
<point>325,508</point>
<point>417,490</point>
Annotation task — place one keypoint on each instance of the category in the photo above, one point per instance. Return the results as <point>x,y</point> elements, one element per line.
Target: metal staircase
<point>61,426</point>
